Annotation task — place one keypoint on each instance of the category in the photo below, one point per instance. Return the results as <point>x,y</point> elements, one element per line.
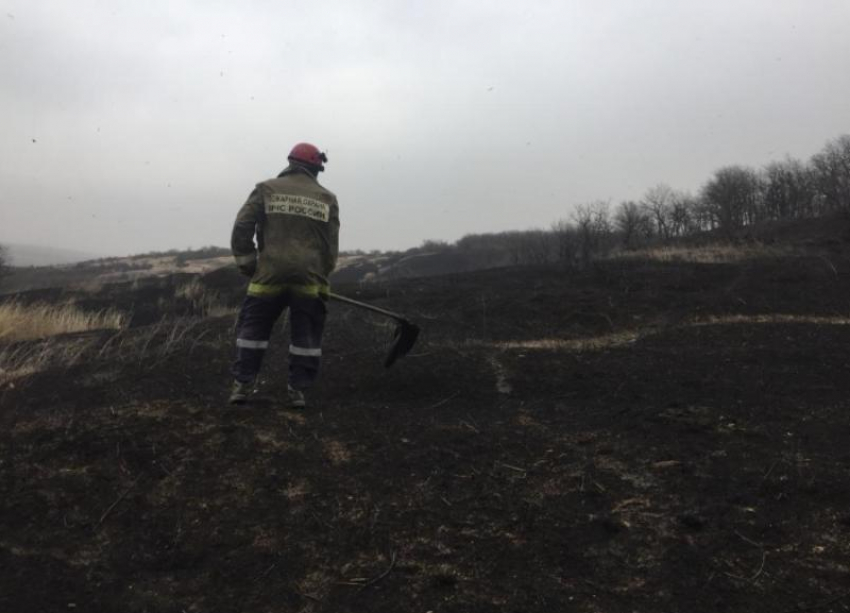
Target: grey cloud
<point>441,118</point>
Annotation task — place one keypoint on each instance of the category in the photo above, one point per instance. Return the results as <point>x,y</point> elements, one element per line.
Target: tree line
<point>4,261</point>
<point>733,198</point>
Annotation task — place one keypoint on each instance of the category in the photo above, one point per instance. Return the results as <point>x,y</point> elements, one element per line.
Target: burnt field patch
<point>633,437</point>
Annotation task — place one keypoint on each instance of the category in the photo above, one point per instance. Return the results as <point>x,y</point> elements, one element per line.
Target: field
<point>650,435</point>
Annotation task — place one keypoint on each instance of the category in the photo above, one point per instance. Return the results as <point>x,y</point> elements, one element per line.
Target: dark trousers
<point>254,328</point>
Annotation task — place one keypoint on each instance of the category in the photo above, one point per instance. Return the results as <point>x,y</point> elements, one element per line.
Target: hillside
<point>368,268</point>
<point>474,252</point>
<point>36,255</point>
<point>642,435</point>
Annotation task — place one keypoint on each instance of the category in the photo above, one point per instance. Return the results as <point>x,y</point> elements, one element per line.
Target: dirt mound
<point>635,436</point>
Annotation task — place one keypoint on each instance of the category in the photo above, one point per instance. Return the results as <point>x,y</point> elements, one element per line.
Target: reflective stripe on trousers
<point>249,344</point>
<point>305,351</point>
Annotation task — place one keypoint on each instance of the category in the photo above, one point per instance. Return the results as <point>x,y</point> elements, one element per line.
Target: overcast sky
<point>134,126</point>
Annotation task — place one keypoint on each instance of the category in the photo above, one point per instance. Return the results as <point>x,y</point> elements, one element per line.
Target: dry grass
<point>42,324</point>
<point>19,360</point>
<point>596,343</point>
<point>148,347</point>
<point>626,337</point>
<point>194,291</point>
<point>718,253</point>
<point>144,348</point>
<point>19,322</point>
<point>772,318</point>
<point>205,303</point>
<point>32,341</point>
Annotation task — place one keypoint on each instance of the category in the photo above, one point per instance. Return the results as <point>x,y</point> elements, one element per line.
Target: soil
<point>637,436</point>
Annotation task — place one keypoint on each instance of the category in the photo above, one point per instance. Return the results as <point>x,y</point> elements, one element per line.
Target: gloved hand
<point>248,269</point>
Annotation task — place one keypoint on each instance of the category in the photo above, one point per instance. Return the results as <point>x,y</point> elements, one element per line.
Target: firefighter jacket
<point>296,222</point>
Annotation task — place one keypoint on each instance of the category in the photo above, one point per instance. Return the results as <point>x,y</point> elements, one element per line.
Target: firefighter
<point>296,224</point>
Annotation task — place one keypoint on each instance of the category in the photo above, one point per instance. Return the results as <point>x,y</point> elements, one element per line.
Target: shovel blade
<point>404,338</point>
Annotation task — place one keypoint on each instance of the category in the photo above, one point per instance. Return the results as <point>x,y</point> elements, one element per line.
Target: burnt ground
<point>634,437</point>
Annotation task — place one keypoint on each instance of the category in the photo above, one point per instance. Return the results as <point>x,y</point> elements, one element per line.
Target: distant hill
<point>94,272</point>
<point>471,253</point>
<point>34,255</point>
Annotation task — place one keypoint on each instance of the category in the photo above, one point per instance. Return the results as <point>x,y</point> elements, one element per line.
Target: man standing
<point>296,222</point>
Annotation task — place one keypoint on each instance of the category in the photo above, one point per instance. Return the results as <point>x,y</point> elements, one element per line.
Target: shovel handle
<point>368,307</point>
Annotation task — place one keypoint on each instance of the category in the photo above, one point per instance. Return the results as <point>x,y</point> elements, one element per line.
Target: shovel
<point>405,333</point>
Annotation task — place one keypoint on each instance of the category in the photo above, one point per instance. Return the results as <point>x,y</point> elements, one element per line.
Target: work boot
<point>241,391</point>
<point>296,398</point>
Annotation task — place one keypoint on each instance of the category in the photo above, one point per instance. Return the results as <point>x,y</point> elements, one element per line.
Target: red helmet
<point>308,154</point>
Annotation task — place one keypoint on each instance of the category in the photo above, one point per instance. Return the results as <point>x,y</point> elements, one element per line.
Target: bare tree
<point>536,247</point>
<point>831,169</point>
<point>4,261</point>
<point>788,190</point>
<point>633,223</point>
<point>682,214</point>
<point>514,245</point>
<point>702,215</point>
<point>732,197</point>
<point>566,241</point>
<point>593,227</point>
<point>658,202</point>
